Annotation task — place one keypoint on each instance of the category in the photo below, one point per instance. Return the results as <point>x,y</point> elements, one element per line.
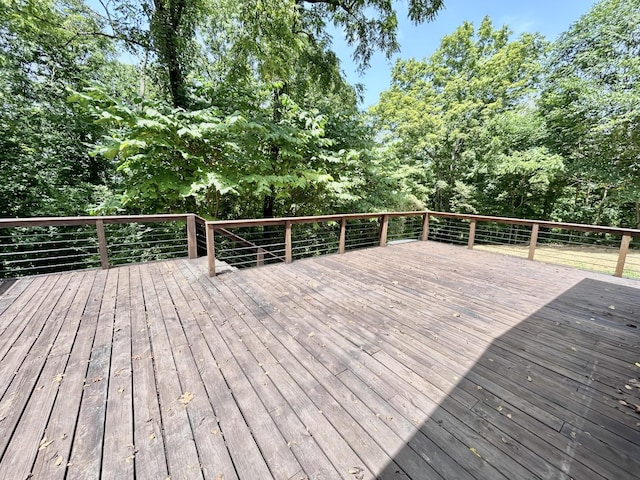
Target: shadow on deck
<point>555,397</point>
<point>421,361</point>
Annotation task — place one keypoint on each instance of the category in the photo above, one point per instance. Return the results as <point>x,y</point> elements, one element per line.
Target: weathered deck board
<point>421,361</point>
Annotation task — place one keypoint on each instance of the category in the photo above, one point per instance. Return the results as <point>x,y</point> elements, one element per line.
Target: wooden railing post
<point>288,256</point>
<point>533,240</point>
<point>384,227</point>
<point>472,233</point>
<point>622,254</point>
<point>343,235</point>
<point>425,227</point>
<point>211,250</point>
<point>260,257</point>
<point>102,244</point>
<point>192,243</point>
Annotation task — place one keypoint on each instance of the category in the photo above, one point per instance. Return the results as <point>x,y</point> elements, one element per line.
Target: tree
<point>440,114</point>
<point>45,166</point>
<point>592,106</point>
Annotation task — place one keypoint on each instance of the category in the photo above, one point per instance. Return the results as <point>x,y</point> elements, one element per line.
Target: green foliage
<point>45,166</point>
<point>592,105</point>
<point>174,160</point>
<point>442,116</point>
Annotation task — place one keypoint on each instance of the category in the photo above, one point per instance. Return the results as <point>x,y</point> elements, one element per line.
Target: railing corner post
<point>384,227</point>
<point>211,250</point>
<point>472,233</point>
<point>343,235</point>
<point>622,254</point>
<point>288,254</point>
<point>425,227</point>
<point>102,244</point>
<point>533,241</point>
<point>192,243</point>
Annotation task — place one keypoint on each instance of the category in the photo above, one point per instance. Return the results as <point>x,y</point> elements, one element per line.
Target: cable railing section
<point>592,247</point>
<point>32,246</point>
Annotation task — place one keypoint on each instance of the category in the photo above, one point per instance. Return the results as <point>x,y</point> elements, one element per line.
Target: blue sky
<point>548,17</point>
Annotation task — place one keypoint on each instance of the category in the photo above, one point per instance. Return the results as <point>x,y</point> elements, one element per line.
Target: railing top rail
<point>91,220</point>
<point>262,222</point>
<point>482,218</point>
<point>542,223</point>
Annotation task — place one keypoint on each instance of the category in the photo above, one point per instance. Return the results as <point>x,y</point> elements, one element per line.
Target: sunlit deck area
<point>412,361</point>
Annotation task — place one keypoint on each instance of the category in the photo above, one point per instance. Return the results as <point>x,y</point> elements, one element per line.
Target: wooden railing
<point>285,239</point>
<point>55,249</point>
<point>470,233</point>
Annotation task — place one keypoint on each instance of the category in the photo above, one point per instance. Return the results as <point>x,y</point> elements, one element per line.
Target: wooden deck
<point>420,361</point>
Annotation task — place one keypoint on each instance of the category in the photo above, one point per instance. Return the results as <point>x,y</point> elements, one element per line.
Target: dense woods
<point>232,108</point>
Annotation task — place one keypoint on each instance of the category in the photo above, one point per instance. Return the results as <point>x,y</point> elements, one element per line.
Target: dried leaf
<point>456,314</point>
<point>395,282</point>
<point>186,397</point>
<point>499,408</point>
<point>58,378</point>
<point>45,443</point>
<point>355,470</point>
<point>612,307</point>
<point>529,379</point>
<point>508,415</point>
<point>638,364</point>
<point>628,387</point>
<point>59,461</point>
<point>475,452</point>
<point>311,334</point>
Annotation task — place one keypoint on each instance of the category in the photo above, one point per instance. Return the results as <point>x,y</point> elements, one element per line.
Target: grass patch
<point>585,257</point>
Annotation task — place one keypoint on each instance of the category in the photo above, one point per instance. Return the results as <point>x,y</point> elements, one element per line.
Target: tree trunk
<point>601,206</point>
<point>166,23</point>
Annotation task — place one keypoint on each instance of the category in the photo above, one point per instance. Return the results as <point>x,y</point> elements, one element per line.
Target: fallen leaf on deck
<point>186,397</point>
<point>58,377</point>
<point>475,452</point>
<point>456,314</point>
<point>499,408</point>
<point>311,334</point>
<point>529,379</point>
<point>612,307</point>
<point>395,282</point>
<point>355,470</point>
<point>638,364</point>
<point>508,415</point>
<point>59,461</point>
<point>628,387</point>
<point>574,349</point>
<point>573,434</point>
<point>45,443</point>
